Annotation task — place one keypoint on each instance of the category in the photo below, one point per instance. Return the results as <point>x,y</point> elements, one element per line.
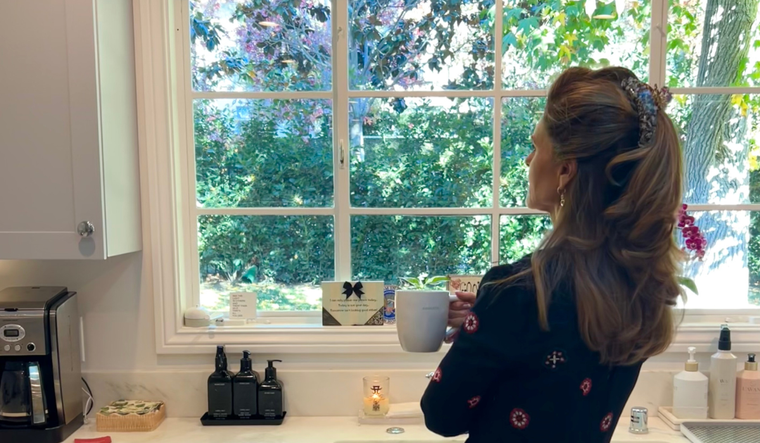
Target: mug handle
<point>450,333</point>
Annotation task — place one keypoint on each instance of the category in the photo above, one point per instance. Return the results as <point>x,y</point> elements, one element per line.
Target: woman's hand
<point>459,309</point>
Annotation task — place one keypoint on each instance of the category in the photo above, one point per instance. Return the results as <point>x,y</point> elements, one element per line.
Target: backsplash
<point>310,392</point>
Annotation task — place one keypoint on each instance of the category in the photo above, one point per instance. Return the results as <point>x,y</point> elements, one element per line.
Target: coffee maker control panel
<point>21,335</point>
<point>12,333</point>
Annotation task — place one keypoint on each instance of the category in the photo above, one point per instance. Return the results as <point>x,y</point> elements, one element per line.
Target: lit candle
<point>377,403</point>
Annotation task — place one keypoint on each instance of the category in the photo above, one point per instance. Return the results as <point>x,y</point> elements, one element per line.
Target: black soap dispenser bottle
<point>245,388</point>
<point>270,394</point>
<point>220,388</point>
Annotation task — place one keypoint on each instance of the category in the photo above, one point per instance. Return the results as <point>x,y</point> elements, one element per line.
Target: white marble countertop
<point>323,430</point>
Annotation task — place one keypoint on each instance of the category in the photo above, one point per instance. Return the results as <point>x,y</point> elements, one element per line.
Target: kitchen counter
<point>324,430</point>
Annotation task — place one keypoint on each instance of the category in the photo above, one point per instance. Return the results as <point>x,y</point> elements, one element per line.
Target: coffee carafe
<point>40,376</point>
<point>22,401</point>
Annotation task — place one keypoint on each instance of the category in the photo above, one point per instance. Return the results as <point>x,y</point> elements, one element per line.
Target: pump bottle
<point>690,391</point>
<point>723,379</point>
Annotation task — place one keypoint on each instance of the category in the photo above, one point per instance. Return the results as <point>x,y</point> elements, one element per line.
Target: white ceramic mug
<point>421,319</point>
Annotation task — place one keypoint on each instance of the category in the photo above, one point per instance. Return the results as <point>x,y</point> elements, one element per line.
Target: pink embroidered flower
<point>519,419</point>
<point>471,323</point>
<point>474,401</point>
<point>606,423</point>
<point>437,376</point>
<point>586,386</point>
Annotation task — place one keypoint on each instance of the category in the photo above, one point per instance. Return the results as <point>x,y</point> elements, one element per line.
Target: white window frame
<point>167,172</point>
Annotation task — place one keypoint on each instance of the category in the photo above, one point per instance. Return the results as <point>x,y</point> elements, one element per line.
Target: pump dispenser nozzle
<point>271,372</point>
<point>724,343</point>
<point>245,363</point>
<point>220,359</point>
<point>750,364</point>
<point>691,364</point>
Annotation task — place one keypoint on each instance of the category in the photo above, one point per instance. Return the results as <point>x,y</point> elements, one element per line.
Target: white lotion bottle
<point>690,390</point>
<point>723,379</point>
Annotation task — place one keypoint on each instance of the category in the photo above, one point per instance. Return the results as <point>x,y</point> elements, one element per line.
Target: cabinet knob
<point>85,229</point>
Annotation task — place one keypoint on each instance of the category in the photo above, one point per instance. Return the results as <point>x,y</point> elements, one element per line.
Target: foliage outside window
<point>426,114</point>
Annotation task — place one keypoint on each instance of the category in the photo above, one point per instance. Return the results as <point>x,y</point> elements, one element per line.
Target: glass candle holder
<point>377,395</point>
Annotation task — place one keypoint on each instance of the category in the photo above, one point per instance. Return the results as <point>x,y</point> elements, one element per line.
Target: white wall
<point>114,299</point>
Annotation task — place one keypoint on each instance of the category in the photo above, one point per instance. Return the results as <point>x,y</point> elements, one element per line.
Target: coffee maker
<point>40,374</point>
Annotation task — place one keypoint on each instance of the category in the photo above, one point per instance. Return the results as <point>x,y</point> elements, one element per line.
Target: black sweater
<point>506,380</point>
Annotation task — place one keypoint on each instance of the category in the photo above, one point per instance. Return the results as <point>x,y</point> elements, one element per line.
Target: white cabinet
<point>68,129</point>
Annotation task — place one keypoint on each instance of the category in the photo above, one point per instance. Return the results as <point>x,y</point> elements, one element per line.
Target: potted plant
<point>425,283</point>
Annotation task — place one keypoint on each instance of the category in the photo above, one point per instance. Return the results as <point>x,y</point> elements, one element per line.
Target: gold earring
<point>561,198</point>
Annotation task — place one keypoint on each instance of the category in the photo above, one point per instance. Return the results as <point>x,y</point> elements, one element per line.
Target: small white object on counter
<point>197,317</point>
<point>405,410</point>
<point>690,390</point>
<point>327,430</point>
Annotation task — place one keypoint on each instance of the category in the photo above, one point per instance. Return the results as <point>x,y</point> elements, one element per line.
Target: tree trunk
<point>716,154</point>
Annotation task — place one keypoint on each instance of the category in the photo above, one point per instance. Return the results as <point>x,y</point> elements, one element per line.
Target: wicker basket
<point>116,422</point>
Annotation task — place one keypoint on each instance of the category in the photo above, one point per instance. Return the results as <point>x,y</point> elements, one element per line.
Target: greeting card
<point>352,303</point>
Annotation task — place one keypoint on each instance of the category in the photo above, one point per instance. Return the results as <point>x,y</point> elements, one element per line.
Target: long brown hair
<point>614,234</point>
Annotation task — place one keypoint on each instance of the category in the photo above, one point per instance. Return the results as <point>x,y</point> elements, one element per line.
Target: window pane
<point>519,116</point>
<point>729,276</point>
<point>427,152</point>
<point>753,258</point>
<point>388,247</point>
<point>719,135</point>
<point>415,45</point>
<point>238,45</point>
<point>520,235</point>
<point>540,38</point>
<point>258,153</point>
<point>719,46</point>
<point>282,258</point>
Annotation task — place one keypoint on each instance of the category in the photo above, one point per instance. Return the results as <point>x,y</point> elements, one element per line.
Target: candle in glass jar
<point>377,403</point>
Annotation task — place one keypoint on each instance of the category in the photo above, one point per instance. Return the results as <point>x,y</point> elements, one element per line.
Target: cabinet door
<point>50,160</point>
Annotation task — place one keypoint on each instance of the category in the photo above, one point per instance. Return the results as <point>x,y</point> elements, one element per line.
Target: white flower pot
<point>421,319</point>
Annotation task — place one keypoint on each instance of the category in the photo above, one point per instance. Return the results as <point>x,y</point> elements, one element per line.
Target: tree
<point>714,167</point>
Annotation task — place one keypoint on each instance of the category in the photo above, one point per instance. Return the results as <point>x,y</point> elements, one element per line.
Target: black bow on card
<point>349,289</point>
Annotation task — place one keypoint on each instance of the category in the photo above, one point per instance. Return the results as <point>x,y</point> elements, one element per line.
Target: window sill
<point>284,338</point>
<point>316,339</point>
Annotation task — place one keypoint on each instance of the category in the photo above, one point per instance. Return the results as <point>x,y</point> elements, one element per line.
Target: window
<point>713,66</point>
<point>396,152</point>
<point>293,141</point>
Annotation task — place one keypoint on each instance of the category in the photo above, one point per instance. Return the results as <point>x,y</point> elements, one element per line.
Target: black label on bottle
<point>270,404</point>
<point>245,399</point>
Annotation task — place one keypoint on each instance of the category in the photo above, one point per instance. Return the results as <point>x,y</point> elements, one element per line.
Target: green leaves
<point>425,283</point>
<point>509,40</point>
<point>526,25</point>
<point>412,281</point>
<point>688,283</point>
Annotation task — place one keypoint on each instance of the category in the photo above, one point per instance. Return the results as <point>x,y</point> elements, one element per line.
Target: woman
<point>554,343</point>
